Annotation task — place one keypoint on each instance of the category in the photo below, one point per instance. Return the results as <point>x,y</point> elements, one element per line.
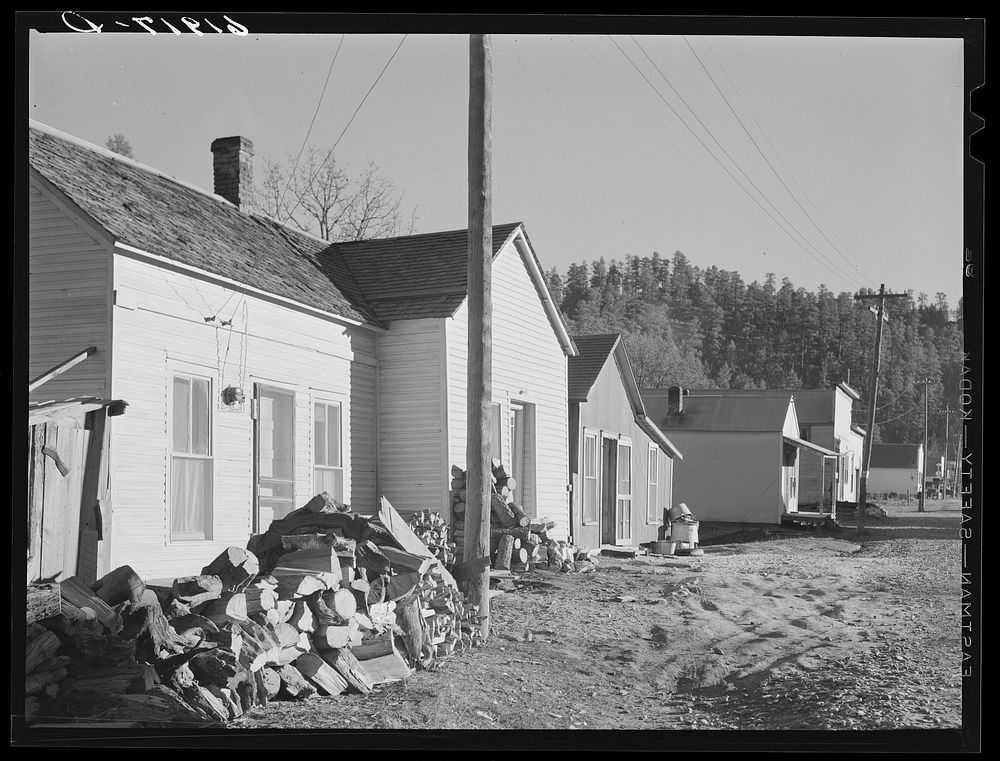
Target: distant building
<point>741,452</point>
<point>895,469</point>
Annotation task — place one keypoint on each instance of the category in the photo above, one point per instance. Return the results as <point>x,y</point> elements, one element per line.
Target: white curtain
<point>190,498</point>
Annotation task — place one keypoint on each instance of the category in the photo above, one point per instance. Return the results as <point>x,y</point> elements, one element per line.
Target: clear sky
<point>866,133</point>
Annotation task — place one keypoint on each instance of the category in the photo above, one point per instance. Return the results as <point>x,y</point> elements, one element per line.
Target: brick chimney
<point>233,165</point>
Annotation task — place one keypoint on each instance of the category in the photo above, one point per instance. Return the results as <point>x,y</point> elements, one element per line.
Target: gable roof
<point>593,352</point>
<point>710,410</point>
<point>412,276</point>
<point>583,369</point>
<point>143,208</point>
<point>906,456</point>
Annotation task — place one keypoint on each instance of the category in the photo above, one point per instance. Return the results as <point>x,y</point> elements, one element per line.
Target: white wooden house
<point>263,365</point>
<point>416,286</point>
<point>895,469</point>
<point>621,464</point>
<point>247,369</point>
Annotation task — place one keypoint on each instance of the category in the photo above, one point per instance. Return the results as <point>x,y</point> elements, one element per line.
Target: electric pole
<point>866,454</point>
<point>923,465</point>
<point>480,370</point>
<point>947,450</point>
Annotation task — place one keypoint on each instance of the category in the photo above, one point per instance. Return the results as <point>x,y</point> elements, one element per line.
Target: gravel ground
<point>807,632</point>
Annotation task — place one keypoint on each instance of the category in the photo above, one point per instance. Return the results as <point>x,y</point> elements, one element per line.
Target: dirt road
<point>804,632</point>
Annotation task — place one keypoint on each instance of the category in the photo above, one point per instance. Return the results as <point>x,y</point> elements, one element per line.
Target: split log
<point>298,584</point>
<point>230,637</point>
<point>128,678</point>
<point>39,650</point>
<point>411,623</point>
<point>500,512</point>
<point>218,667</point>
<point>401,585</point>
<point>325,560</point>
<point>542,526</point>
<point>387,668</point>
<point>232,606</point>
<point>260,598</point>
<point>76,596</point>
<point>96,651</point>
<point>349,668</point>
<point>44,601</point>
<point>196,590</point>
<point>120,585</point>
<point>302,617</point>
<point>383,615</point>
<point>286,634</point>
<point>294,684</point>
<point>504,548</point>
<point>226,698</point>
<point>146,623</point>
<point>401,560</point>
<point>272,682</point>
<point>192,623</point>
<point>285,608</point>
<point>51,671</point>
<point>321,674</point>
<point>236,567</point>
<point>370,557</point>
<point>330,637</point>
<point>289,653</point>
<point>519,556</point>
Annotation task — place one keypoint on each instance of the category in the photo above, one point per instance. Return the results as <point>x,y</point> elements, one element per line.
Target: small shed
<point>895,469</point>
<point>621,464</point>
<point>68,495</point>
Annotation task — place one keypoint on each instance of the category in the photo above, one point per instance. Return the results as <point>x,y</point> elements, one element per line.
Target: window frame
<point>190,374</point>
<point>326,403</point>
<point>624,516</point>
<point>596,477</point>
<point>652,471</point>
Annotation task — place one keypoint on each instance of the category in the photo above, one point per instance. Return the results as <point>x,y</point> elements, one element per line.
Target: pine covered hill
<point>706,328</point>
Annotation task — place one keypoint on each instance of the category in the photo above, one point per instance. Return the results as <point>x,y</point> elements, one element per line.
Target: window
<point>328,473</point>
<point>590,493</point>
<point>191,464</point>
<point>653,478</point>
<point>624,489</point>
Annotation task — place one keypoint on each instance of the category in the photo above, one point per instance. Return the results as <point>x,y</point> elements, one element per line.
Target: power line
<point>666,137</point>
<point>351,120</point>
<point>836,269</point>
<point>766,160</point>
<point>725,168</point>
<point>305,140</point>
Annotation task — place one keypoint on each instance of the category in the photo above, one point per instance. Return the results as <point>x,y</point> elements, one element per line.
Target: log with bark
<point>370,557</point>
<point>353,672</point>
<point>232,606</point>
<point>77,597</point>
<point>39,649</point>
<point>44,601</point>
<point>505,547</point>
<point>145,623</point>
<point>294,685</point>
<point>297,584</point>
<point>321,674</point>
<point>120,585</point>
<point>500,512</point>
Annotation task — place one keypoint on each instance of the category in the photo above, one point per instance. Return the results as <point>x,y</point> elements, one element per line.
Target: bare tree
<point>320,197</point>
<point>119,144</point>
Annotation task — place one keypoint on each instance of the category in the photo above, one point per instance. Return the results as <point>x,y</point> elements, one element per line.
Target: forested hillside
<point>706,328</point>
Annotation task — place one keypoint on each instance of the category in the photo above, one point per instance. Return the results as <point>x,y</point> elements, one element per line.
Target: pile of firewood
<point>432,529</point>
<point>517,541</point>
<point>325,602</point>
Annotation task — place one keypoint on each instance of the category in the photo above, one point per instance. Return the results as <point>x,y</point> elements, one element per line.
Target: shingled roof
<point>413,276</point>
<point>712,411</point>
<point>906,456</point>
<point>584,368</point>
<point>160,215</point>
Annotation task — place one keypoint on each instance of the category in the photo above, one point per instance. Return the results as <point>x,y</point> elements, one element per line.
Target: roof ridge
<point>343,243</point>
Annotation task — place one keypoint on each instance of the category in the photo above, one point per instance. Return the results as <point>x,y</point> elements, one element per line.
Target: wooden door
<point>609,489</point>
<point>274,454</point>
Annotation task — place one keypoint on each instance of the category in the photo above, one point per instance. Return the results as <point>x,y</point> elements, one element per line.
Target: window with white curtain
<point>328,470</point>
<point>191,461</point>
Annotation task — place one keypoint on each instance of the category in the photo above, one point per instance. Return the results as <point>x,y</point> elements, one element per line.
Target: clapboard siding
<point>364,488</point>
<point>69,286</point>
<point>160,329</point>
<point>529,366</point>
<point>412,470</point>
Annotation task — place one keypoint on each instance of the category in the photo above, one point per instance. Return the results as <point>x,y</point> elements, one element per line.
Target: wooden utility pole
<point>923,465</point>
<point>866,455</point>
<point>947,451</point>
<point>480,371</point>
